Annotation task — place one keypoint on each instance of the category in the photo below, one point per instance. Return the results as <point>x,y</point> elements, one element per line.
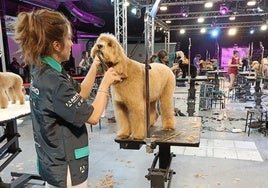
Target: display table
<point>8,119</point>
<point>187,133</point>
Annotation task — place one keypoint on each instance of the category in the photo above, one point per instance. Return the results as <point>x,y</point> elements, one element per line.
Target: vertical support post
<point>120,21</point>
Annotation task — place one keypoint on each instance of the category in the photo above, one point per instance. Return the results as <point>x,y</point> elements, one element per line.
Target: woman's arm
<point>81,63</point>
<point>87,83</point>
<point>102,97</point>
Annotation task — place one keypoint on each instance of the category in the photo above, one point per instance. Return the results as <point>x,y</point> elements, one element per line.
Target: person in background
<point>233,65</point>
<point>85,63</point>
<point>245,64</point>
<point>264,63</point>
<point>196,63</point>
<point>59,105</point>
<point>169,60</point>
<point>215,63</point>
<point>26,73</point>
<point>15,66</point>
<point>152,58</point>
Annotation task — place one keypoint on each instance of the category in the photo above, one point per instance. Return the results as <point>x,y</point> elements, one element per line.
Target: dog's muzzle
<point>105,65</point>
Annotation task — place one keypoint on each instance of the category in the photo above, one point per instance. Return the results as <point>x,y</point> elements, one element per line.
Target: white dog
<point>129,95</point>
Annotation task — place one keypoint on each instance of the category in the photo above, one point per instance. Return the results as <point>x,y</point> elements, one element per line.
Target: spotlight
<point>251,3</point>
<point>208,5</point>
<point>215,32</point>
<point>136,12</point>
<point>168,21</point>
<point>182,31</point>
<point>185,14</point>
<point>163,8</point>
<point>232,18</point>
<point>184,11</point>
<point>264,27</point>
<point>203,30</point>
<point>252,31</point>
<point>200,20</point>
<point>224,9</point>
<point>232,31</point>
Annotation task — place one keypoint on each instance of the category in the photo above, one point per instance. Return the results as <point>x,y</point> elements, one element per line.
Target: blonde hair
<point>181,54</point>
<point>37,30</point>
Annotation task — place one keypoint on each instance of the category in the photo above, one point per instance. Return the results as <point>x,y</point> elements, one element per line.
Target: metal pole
<point>189,57</point>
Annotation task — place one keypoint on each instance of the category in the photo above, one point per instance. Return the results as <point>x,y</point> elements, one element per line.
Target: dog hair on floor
<point>10,88</point>
<point>128,96</point>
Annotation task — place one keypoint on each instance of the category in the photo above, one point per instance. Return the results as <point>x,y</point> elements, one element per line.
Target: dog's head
<point>255,65</point>
<point>109,50</point>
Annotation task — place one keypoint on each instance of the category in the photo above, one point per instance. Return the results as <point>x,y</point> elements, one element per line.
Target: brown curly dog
<point>128,96</point>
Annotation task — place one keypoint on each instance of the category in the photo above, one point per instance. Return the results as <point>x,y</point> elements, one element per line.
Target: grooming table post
<point>187,133</point>
<point>191,92</point>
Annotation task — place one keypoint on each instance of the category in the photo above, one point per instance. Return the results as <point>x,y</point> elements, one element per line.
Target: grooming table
<point>191,92</point>
<point>187,133</point>
<point>8,118</point>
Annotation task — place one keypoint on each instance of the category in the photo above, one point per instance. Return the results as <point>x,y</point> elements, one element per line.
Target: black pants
<point>184,69</point>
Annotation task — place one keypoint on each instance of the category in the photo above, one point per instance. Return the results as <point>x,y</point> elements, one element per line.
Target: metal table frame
<point>161,176</point>
<point>11,146</point>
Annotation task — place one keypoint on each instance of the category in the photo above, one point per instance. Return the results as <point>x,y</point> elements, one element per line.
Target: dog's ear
<point>93,51</point>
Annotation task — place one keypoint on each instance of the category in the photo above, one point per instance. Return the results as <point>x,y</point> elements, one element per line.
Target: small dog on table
<point>10,88</point>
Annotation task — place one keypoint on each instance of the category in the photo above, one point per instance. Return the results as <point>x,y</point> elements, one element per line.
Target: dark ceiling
<point>246,17</point>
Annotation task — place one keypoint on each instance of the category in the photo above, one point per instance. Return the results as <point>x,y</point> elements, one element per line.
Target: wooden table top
<point>187,133</point>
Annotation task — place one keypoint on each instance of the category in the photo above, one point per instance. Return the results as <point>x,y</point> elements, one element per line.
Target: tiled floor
<point>228,149</point>
<point>223,160</point>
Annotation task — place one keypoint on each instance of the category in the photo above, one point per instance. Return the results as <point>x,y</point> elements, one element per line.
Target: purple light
<point>224,9</point>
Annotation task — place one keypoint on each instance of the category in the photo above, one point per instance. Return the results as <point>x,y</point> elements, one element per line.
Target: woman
<point>85,63</point>
<point>233,65</point>
<point>167,59</point>
<point>59,105</point>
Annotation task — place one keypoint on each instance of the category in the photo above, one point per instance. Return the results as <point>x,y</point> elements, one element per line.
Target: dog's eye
<point>109,44</point>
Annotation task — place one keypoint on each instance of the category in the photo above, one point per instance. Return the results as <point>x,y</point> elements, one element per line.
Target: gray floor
<point>223,159</point>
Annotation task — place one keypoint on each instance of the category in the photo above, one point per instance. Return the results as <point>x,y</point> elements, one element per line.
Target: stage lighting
<point>252,31</point>
<point>232,31</point>
<point>264,27</point>
<point>224,9</point>
<point>208,4</point>
<point>136,11</point>
<point>168,21</point>
<point>200,20</point>
<point>163,8</point>
<point>215,33</point>
<point>232,18</point>
<point>203,30</point>
<point>182,31</point>
<point>184,11</point>
<point>251,3</point>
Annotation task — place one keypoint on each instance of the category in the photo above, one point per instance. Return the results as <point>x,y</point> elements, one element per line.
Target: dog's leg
<point>120,112</point>
<point>137,121</point>
<point>11,94</point>
<point>154,108</point>
<point>3,99</point>
<point>20,95</point>
<point>167,108</point>
<point>18,91</point>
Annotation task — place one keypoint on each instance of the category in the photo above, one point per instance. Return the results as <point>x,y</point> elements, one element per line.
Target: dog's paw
<point>138,137</point>
<point>169,127</point>
<point>123,135</point>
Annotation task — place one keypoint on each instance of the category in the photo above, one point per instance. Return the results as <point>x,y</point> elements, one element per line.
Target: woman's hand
<point>111,77</point>
<point>96,61</point>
